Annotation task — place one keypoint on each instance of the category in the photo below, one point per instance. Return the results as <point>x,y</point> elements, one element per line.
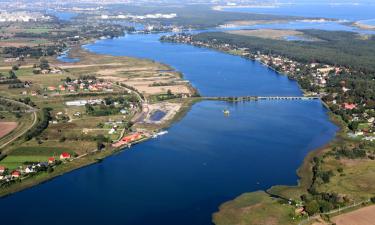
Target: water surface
<point>204,160</point>
<point>183,176</point>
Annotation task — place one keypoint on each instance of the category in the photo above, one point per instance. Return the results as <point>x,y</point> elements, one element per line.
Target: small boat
<point>226,112</point>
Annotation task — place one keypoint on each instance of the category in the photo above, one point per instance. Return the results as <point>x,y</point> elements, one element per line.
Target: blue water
<point>204,160</point>
<point>182,177</point>
<point>157,115</point>
<point>62,15</point>
<point>64,57</point>
<point>351,12</point>
<point>212,72</point>
<point>370,22</point>
<point>343,12</point>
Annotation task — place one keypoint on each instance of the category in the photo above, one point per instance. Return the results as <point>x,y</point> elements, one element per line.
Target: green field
<point>254,208</point>
<point>31,154</point>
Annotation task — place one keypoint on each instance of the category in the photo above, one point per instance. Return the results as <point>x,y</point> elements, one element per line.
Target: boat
<point>160,133</point>
<point>226,112</point>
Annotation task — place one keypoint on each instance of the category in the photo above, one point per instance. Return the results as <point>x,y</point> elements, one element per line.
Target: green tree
<point>12,74</point>
<point>44,65</point>
<point>312,207</point>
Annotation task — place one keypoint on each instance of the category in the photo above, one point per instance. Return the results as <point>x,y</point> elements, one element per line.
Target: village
<point>314,79</point>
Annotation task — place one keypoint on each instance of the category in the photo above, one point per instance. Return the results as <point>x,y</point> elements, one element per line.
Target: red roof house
<point>350,106</point>
<point>16,174</point>
<point>51,160</point>
<point>2,169</point>
<point>64,155</point>
<point>132,137</point>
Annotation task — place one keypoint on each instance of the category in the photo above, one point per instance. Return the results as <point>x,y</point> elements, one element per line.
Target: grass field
<point>253,209</point>
<point>356,180</point>
<point>21,155</point>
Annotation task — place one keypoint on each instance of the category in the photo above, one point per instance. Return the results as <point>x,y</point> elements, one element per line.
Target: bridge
<point>256,98</point>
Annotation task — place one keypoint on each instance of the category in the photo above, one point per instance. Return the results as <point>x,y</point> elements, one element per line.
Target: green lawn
<point>39,151</point>
<point>13,162</point>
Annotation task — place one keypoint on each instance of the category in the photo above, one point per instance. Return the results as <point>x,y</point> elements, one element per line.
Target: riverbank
<point>364,26</point>
<point>95,156</point>
<point>80,132</point>
<point>321,173</point>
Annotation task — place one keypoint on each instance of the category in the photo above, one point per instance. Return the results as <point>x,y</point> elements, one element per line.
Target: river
<point>204,160</point>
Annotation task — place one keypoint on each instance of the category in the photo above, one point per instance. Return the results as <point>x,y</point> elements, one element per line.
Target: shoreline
<point>360,25</point>
<point>100,155</point>
<point>97,156</point>
<point>90,158</point>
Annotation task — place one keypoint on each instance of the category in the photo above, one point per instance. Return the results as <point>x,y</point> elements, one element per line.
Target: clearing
<point>363,216</point>
<point>7,127</point>
<point>267,33</point>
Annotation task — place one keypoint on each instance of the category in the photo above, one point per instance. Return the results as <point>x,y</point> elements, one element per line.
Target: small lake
<point>63,16</point>
<point>157,115</point>
<point>65,57</point>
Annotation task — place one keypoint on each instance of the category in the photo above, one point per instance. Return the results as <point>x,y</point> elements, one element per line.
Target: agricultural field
<point>7,127</point>
<point>363,216</point>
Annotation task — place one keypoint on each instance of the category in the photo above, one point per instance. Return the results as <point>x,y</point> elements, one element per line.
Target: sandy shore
<point>364,26</point>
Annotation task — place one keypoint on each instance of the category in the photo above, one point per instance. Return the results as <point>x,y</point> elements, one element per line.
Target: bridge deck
<point>255,98</point>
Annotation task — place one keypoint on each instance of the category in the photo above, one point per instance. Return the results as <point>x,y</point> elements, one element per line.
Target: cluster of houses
<point>82,85</point>
<point>22,16</point>
<point>54,70</point>
<point>317,74</point>
<point>22,171</point>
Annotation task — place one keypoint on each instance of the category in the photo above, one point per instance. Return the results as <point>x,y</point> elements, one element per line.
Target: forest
<point>333,47</point>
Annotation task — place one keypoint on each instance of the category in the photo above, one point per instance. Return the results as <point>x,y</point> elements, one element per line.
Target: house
<point>51,160</point>
<point>64,155</point>
<point>51,88</point>
<point>16,174</point>
<point>2,169</point>
<point>349,106</point>
<point>132,137</point>
<point>29,169</point>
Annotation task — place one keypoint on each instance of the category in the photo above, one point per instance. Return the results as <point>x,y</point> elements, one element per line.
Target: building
<point>132,137</point>
<point>29,169</point>
<point>349,106</point>
<point>76,103</point>
<point>65,155</point>
<point>16,174</point>
<point>2,169</point>
<point>51,160</point>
